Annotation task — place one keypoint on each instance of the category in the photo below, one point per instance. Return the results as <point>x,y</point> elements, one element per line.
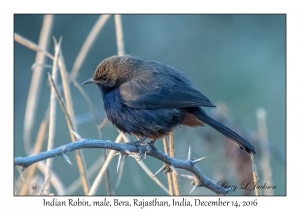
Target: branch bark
<point>199,179</point>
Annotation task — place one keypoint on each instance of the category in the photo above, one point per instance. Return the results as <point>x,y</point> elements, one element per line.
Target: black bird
<point>149,99</point>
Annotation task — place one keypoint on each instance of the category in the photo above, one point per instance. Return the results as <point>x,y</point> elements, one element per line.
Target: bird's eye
<point>104,78</point>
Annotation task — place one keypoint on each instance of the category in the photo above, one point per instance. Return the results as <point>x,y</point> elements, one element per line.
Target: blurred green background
<point>238,60</point>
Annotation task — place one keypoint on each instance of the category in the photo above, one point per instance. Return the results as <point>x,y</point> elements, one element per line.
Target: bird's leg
<point>151,144</point>
<point>141,140</point>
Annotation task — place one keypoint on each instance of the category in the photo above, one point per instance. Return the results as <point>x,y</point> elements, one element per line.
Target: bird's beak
<point>89,81</point>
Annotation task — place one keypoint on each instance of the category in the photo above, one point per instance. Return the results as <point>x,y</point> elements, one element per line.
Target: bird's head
<point>113,71</point>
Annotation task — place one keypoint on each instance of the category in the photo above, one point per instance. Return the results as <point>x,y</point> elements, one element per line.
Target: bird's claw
<point>136,143</point>
<point>140,154</point>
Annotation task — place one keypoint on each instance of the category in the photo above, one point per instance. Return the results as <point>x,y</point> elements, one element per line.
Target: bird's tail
<point>242,143</point>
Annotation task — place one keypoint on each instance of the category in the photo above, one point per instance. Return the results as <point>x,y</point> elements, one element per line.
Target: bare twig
<point>200,179</point>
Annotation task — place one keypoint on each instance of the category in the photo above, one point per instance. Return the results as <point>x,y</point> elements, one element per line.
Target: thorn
<point>21,168</point>
<point>128,153</point>
<point>121,158</point>
<point>187,176</point>
<point>159,170</point>
<point>174,170</point>
<point>136,155</point>
<point>194,188</point>
<point>78,137</point>
<point>198,160</point>
<point>67,158</point>
<point>190,153</point>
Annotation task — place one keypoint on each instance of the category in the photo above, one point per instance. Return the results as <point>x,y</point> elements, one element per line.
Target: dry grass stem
<point>52,118</point>
<point>120,175</point>
<point>44,186</point>
<point>146,169</point>
<point>79,155</point>
<point>109,158</point>
<point>37,148</point>
<point>56,183</point>
<point>87,44</point>
<point>119,35</point>
<point>29,44</point>
<point>169,176</point>
<point>172,155</point>
<point>67,91</point>
<point>265,164</point>
<point>36,79</point>
<point>92,108</point>
<point>94,168</point>
<point>88,100</point>
<point>255,176</point>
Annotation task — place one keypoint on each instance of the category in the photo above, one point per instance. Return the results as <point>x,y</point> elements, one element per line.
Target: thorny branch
<point>198,178</point>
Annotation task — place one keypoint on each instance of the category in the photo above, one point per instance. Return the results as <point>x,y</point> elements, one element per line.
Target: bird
<point>149,99</point>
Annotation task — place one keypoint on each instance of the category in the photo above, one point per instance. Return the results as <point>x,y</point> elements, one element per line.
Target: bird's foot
<point>139,142</point>
<point>141,153</point>
<point>136,143</point>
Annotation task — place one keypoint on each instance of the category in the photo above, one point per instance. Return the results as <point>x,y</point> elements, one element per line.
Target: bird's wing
<point>160,90</point>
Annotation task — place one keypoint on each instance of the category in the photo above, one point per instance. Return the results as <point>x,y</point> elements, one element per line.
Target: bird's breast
<point>141,122</point>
